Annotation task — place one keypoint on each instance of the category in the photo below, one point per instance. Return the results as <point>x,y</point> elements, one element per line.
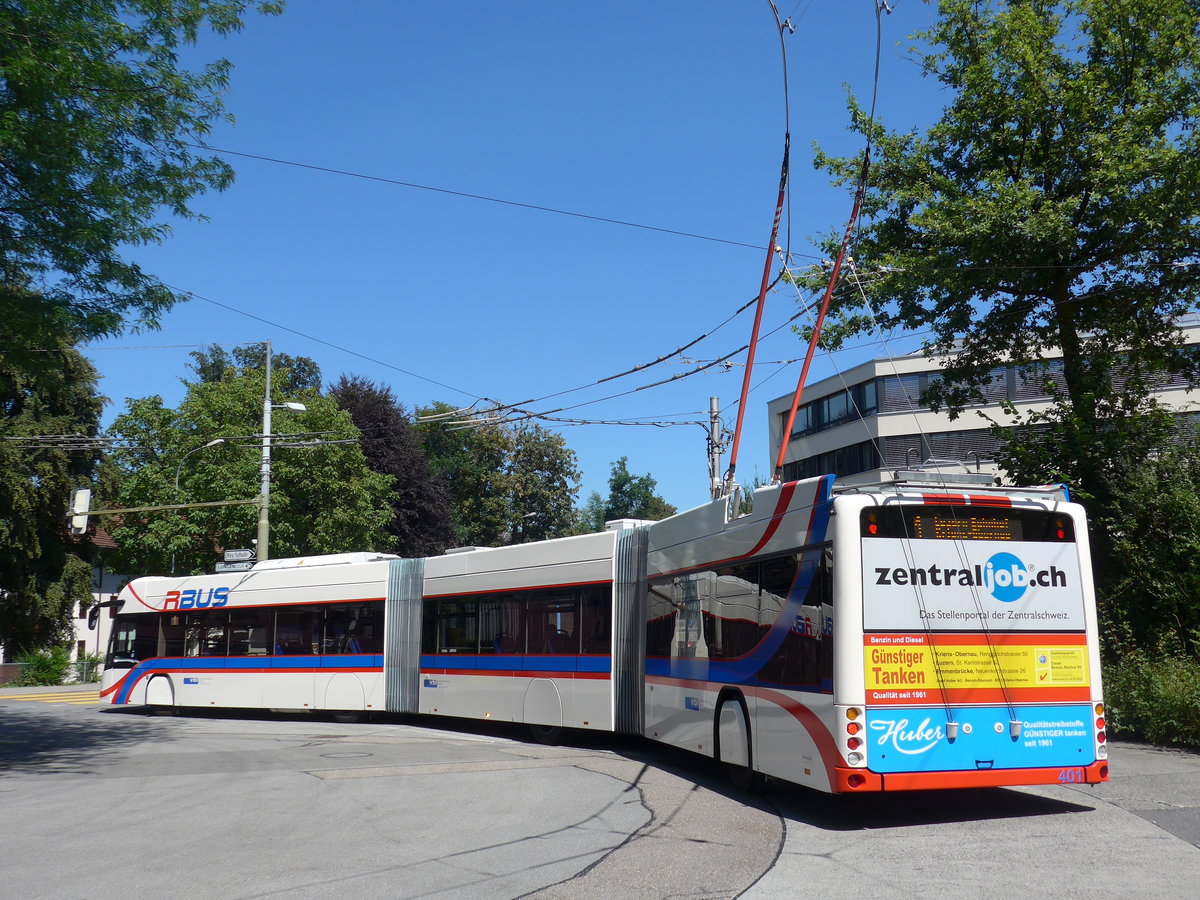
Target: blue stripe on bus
<point>314,664</point>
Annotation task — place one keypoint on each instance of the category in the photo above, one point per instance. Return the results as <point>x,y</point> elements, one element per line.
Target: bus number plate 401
<point>1071,776</point>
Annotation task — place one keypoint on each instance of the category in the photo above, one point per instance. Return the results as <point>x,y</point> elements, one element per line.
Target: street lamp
<point>264,494</point>
<point>179,469</point>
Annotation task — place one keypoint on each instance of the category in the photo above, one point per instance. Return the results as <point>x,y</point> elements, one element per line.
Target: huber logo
<point>905,738</point>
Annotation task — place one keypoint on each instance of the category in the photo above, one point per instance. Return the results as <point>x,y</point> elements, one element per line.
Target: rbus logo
<point>197,599</point>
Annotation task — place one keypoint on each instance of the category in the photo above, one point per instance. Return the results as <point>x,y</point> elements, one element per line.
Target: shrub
<point>44,667</point>
<point>87,667</point>
<point>1154,696</point>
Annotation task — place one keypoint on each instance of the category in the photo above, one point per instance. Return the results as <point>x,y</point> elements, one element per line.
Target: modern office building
<point>867,423</point>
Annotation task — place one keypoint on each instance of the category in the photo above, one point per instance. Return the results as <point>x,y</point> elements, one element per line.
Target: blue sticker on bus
<point>917,739</point>
<point>691,702</point>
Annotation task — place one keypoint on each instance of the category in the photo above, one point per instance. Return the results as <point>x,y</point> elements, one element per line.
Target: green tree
<point>633,496</point>
<point>543,481</point>
<point>473,460</point>
<point>510,484</point>
<point>97,123</point>
<point>589,519</point>
<point>324,497</point>
<point>421,524</point>
<point>1052,209</point>
<point>43,575</point>
<point>289,374</point>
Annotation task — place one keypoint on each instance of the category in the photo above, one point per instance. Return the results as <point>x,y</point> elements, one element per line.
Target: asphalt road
<point>99,802</point>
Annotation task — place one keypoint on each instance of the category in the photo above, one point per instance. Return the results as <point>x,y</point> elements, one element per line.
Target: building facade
<point>868,422</point>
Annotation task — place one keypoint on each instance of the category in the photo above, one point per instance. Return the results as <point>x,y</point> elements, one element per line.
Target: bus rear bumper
<point>864,781</point>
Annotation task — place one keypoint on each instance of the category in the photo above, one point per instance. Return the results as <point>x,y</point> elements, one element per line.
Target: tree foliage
<point>324,497</point>
<point>42,574</point>
<point>289,374</point>
<point>421,524</point>
<point>1152,532</point>
<point>97,123</point>
<point>1052,209</point>
<point>510,484</point>
<point>543,481</point>
<point>633,496</point>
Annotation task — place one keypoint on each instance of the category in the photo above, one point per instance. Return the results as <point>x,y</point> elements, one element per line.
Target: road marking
<point>77,698</point>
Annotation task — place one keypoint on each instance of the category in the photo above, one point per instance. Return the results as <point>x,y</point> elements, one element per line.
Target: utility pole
<point>264,491</point>
<point>716,483</point>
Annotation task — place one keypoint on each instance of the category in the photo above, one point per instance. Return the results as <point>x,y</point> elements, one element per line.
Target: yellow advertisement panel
<point>921,668</point>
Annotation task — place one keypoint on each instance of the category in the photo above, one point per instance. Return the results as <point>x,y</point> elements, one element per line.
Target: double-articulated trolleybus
<point>893,637</point>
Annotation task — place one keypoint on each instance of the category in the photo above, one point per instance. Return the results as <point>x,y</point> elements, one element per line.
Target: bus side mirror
<point>93,617</point>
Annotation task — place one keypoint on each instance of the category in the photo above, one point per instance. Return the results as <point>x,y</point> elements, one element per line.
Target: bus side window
<point>554,624</point>
<point>297,632</point>
<point>501,628</point>
<point>206,633</point>
<point>353,628</point>
<point>596,621</point>
<point>456,631</point>
<point>170,635</point>
<point>250,632</point>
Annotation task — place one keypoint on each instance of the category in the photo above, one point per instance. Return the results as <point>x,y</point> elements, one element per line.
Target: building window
<point>843,461</point>
<point>850,405</point>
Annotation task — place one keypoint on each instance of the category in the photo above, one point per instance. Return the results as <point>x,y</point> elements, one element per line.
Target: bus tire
<point>547,734</point>
<point>346,716</point>
<point>732,743</point>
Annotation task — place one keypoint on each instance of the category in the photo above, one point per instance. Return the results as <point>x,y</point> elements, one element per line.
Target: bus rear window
<point>966,523</point>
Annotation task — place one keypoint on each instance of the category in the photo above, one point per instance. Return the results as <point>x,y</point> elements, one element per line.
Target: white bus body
<point>873,639</point>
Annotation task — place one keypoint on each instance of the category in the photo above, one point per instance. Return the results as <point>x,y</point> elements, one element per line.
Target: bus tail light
<point>855,749</point>
<point>1101,733</point>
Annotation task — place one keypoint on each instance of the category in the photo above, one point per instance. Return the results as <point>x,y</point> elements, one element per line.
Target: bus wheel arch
<point>160,695</point>
<point>733,742</point>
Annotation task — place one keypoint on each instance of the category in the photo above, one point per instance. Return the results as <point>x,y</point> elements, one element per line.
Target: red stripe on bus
<point>115,687</point>
<point>994,696</point>
<point>812,723</point>
<point>809,720</point>
<point>990,500</point>
<point>1095,773</point>
<point>129,587</point>
<point>781,508</point>
<point>952,639</point>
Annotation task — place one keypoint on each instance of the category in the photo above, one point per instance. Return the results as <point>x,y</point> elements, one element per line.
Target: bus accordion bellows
<point>889,637</point>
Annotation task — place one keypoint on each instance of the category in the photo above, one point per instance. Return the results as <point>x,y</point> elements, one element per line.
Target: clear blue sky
<point>661,113</point>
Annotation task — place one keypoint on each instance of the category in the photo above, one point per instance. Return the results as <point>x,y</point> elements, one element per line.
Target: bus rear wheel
<point>547,734</point>
<point>733,746</point>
